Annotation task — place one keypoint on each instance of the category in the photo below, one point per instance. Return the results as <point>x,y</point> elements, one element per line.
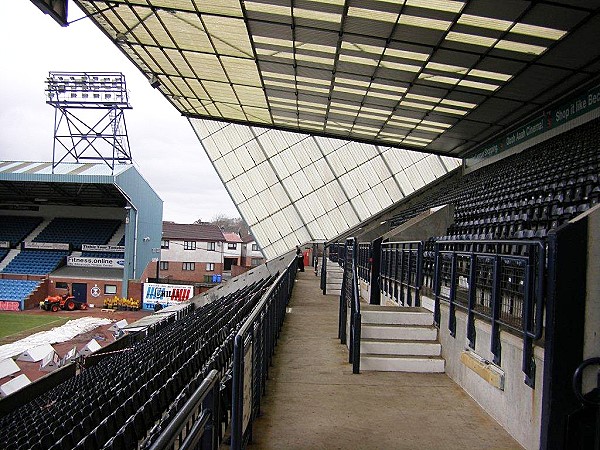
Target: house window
<point>189,245</point>
<point>164,265</point>
<point>254,247</point>
<point>211,246</point>
<point>232,246</point>
<point>256,262</point>
<point>164,243</point>
<point>210,267</point>
<point>189,266</point>
<point>110,289</point>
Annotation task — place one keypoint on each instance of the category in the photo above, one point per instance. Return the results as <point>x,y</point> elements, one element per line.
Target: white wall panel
<point>324,171</point>
<point>349,214</point>
<point>233,164</point>
<point>302,182</point>
<point>349,187</point>
<point>211,148</point>
<point>247,213</point>
<point>316,230</point>
<point>280,166</point>
<point>405,183</point>
<point>325,199</point>
<point>336,193</point>
<point>223,169</point>
<point>246,184</point>
<point>393,190</point>
<point>255,177</point>
<point>256,152</point>
<point>280,195</point>
<point>293,192</point>
<point>267,144</point>
<point>292,188</point>
<point>313,176</point>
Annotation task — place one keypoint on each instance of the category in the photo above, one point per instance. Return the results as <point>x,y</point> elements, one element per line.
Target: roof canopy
<point>436,75</point>
<point>315,98</point>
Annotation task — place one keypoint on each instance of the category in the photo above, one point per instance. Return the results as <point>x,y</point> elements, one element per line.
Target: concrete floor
<point>313,401</point>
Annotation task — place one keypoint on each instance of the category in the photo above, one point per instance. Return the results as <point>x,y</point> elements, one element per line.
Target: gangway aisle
<point>313,401</point>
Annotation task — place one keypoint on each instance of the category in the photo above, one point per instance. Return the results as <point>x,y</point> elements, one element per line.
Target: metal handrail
<point>356,320</point>
<point>475,253</point>
<point>254,346</point>
<point>350,305</point>
<point>198,417</point>
<point>404,284</point>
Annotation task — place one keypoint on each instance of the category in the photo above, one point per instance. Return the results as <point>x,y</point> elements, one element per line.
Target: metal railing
<point>324,271</point>
<point>254,347</point>
<point>349,312</point>
<point>401,271</point>
<point>197,424</point>
<point>501,282</point>
<point>364,261</point>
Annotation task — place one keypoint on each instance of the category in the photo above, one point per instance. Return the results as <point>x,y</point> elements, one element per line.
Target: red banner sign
<point>9,306</point>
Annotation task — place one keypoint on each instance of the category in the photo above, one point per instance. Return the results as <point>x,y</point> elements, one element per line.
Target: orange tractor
<point>66,301</point>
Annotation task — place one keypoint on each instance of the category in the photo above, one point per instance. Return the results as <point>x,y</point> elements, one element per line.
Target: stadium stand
<point>126,399</point>
<point>14,229</point>
<point>522,196</point>
<point>35,262</point>
<point>3,253</point>
<point>78,231</point>
<point>16,289</point>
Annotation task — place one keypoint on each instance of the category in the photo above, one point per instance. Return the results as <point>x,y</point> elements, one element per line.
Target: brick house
<point>191,252</point>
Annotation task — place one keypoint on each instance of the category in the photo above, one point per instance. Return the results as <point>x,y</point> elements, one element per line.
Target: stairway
<point>397,339</point>
<point>335,274</point>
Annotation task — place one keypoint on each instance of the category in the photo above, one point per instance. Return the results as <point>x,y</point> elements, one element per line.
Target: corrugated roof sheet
<point>193,232</point>
<point>45,168</point>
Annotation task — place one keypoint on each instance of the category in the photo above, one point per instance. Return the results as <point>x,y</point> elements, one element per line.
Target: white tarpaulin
<point>58,334</point>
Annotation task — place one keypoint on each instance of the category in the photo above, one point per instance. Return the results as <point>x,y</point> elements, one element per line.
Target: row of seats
<point>524,195</point>
<point>78,231</point>
<point>35,262</point>
<point>15,228</point>
<point>16,289</point>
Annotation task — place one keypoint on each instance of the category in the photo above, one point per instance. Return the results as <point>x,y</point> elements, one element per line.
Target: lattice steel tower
<point>89,120</point>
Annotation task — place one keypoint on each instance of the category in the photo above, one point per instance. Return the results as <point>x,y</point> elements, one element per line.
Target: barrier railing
<point>197,424</point>
<point>323,285</point>
<point>401,271</point>
<point>501,282</point>
<point>334,251</point>
<point>364,261</point>
<point>349,312</point>
<point>254,347</point>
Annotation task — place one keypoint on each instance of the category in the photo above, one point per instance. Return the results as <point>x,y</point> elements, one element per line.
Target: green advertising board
<point>567,111</point>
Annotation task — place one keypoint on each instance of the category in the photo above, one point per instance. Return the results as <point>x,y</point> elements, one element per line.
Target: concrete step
<point>396,315</point>
<point>404,347</point>
<point>399,332</point>
<point>404,363</point>
<point>333,291</point>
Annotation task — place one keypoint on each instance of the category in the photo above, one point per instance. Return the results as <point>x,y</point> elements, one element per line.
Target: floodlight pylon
<point>89,119</point>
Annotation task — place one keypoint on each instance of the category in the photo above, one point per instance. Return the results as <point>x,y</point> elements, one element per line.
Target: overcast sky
<point>163,145</point>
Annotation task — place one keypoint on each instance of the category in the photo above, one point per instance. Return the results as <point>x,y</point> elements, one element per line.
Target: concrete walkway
<point>313,400</point>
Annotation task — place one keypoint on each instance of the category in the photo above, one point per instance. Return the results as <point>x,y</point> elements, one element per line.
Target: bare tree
<point>229,224</point>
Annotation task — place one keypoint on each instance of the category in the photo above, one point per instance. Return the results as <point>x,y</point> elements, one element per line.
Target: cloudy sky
<point>164,147</point>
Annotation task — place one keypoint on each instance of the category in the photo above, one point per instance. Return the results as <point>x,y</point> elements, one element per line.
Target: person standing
<point>300,258</point>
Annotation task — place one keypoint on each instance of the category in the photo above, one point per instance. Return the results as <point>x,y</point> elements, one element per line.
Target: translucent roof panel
<point>405,73</point>
<point>293,188</point>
